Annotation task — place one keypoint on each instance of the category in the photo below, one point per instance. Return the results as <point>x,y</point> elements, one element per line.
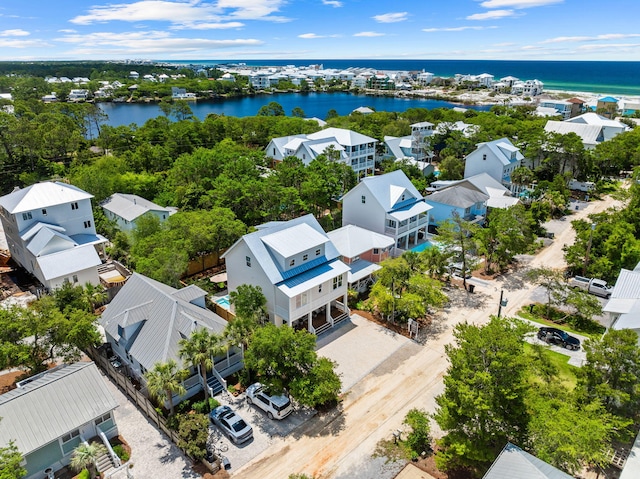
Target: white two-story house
<point>354,149</point>
<point>298,269</point>
<point>125,209</point>
<point>390,205</point>
<point>497,158</point>
<point>51,233</point>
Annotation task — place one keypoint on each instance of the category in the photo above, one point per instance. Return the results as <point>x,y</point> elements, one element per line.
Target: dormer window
<point>44,212</point>
<point>27,216</point>
<point>318,252</point>
<point>292,262</point>
<point>305,257</point>
<point>402,198</point>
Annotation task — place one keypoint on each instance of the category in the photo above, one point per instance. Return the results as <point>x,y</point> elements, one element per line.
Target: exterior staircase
<point>104,463</point>
<point>214,384</point>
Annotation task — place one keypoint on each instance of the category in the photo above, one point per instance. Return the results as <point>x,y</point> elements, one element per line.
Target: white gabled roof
<point>294,240</point>
<point>384,188</point>
<point>53,404</point>
<point>343,136</point>
<point>514,463</point>
<point>352,240</point>
<point>130,207</point>
<point>501,149</point>
<point>68,261</point>
<point>589,134</point>
<point>42,195</point>
<point>595,119</point>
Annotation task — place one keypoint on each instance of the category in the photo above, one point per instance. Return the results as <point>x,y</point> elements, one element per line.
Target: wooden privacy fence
<point>139,398</point>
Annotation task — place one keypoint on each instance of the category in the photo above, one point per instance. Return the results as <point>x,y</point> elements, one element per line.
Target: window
<point>292,262</point>
<point>74,205</point>
<point>376,251</point>
<point>402,198</point>
<point>75,278</point>
<point>274,152</point>
<point>87,224</point>
<point>102,419</point>
<point>319,288</point>
<point>27,216</point>
<point>337,282</point>
<point>301,299</point>
<point>484,157</point>
<point>44,212</point>
<point>391,223</point>
<point>68,437</point>
<point>318,252</point>
<point>305,257</point>
<point>363,199</point>
<point>248,261</point>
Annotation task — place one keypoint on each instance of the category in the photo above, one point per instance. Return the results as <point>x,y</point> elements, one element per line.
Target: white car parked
<point>276,407</point>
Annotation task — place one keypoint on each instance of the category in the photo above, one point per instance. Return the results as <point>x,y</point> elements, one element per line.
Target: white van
<point>276,407</point>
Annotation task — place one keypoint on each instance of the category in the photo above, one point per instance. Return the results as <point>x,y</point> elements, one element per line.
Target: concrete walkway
<point>153,455</point>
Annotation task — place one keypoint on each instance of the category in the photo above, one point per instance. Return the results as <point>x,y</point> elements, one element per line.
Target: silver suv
<point>276,407</point>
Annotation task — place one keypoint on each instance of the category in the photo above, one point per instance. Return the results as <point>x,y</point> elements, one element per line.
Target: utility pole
<point>503,302</point>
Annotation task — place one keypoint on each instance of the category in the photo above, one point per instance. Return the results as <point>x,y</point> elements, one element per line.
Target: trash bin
<point>471,287</point>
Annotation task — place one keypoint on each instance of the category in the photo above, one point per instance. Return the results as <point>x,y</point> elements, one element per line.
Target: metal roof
<point>52,405</point>
<point>383,187</point>
<point>352,240</point>
<point>69,261</point>
<point>164,317</point>
<point>130,207</point>
<point>45,237</point>
<point>458,196</point>
<point>407,212</point>
<point>361,269</point>
<point>42,195</point>
<point>305,238</point>
<point>513,463</point>
<point>343,136</point>
<point>590,134</point>
<point>501,149</point>
<point>627,285</point>
<point>313,277</point>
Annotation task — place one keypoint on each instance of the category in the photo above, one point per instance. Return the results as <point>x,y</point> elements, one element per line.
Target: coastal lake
<point>313,104</point>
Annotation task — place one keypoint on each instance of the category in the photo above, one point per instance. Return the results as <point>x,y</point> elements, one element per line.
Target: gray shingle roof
<point>52,405</point>
<point>457,196</point>
<point>163,316</point>
<point>514,463</point>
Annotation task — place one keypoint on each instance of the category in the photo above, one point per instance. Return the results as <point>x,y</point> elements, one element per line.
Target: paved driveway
<point>576,358</point>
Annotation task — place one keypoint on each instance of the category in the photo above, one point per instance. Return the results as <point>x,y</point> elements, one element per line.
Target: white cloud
<point>456,29</point>
<point>14,33</point>
<point>518,3</point>
<point>208,26</point>
<point>148,42</point>
<point>391,17</point>
<point>14,43</point>
<point>606,36</point>
<point>369,34</point>
<point>492,15</point>
<point>180,12</point>
<point>333,3</point>
<point>67,30</point>
<point>311,36</point>
<point>606,46</point>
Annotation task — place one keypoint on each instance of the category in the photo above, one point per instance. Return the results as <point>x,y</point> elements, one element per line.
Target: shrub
<point>84,474</point>
<point>121,452</point>
<point>193,433</point>
<point>418,440</point>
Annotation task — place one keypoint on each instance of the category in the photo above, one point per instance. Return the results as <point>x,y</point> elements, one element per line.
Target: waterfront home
<point>48,415</point>
<point>607,107</point>
<point>78,95</point>
<point>552,107</point>
<point>390,205</point>
<point>354,149</point>
<point>51,233</point>
<point>125,209</point>
<point>298,269</point>
<point>497,158</point>
<point>181,94</point>
<point>146,321</point>
<point>362,250</point>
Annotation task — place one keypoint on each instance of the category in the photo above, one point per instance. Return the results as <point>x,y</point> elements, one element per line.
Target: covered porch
<point>323,318</point>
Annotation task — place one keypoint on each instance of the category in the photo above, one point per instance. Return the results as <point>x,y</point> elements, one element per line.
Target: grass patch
<point>566,372</point>
<point>571,324</point>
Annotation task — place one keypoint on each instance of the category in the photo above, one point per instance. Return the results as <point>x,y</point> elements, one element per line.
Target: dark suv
<point>559,337</point>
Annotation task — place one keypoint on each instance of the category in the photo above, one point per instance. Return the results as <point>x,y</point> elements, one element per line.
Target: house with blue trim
<point>298,269</point>
<point>497,158</point>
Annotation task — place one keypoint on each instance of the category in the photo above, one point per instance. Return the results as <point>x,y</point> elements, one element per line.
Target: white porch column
<point>327,311</point>
<point>345,298</point>
<point>309,321</point>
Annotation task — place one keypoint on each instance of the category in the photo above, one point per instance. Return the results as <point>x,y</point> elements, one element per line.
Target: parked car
<point>559,337</point>
<point>595,286</point>
<point>232,425</point>
<point>276,407</point>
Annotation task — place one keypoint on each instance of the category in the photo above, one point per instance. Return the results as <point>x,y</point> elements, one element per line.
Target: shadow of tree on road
<point>328,423</point>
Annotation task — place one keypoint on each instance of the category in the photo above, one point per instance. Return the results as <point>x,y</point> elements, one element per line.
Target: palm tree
<point>86,455</point>
<point>164,380</point>
<point>199,351</point>
<point>94,295</point>
<point>239,331</point>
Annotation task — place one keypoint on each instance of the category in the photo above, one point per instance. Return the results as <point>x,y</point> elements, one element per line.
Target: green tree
<point>199,350</point>
<point>271,109</point>
<point>10,462</point>
<point>249,302</point>
<point>165,380</point>
<point>451,168</point>
<point>611,371</point>
<point>457,237</point>
<point>483,403</point>
<point>298,112</point>
<point>86,455</point>
<point>522,176</point>
<point>552,280</point>
<point>286,360</point>
<point>193,431</point>
<point>419,438</point>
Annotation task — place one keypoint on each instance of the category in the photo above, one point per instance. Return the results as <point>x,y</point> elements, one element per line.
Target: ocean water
<point>616,78</point>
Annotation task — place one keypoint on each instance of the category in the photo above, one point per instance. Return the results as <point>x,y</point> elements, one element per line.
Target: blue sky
<point>320,29</point>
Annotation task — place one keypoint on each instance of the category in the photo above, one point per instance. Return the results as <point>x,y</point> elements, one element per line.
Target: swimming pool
<point>422,246</point>
<point>223,301</point>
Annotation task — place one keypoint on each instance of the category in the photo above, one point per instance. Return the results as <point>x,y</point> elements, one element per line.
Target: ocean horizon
<point>605,77</point>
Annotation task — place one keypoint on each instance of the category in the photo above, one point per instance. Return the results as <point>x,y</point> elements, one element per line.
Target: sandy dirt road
<point>340,445</point>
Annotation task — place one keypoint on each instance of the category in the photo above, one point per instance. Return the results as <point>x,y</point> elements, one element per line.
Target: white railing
<point>110,451</point>
<point>388,230</point>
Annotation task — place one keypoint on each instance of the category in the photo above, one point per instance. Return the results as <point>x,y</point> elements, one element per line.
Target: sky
<point>319,29</point>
